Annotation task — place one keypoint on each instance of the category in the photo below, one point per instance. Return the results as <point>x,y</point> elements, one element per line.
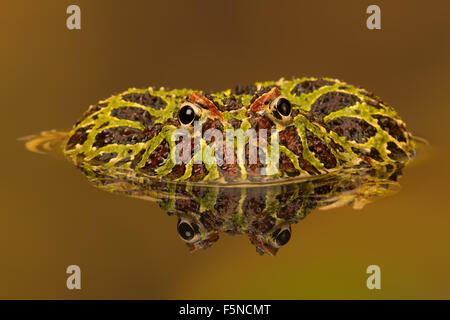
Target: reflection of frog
<point>266,213</point>
<point>263,212</point>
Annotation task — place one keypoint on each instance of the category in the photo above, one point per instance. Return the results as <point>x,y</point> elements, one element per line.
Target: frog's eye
<point>186,115</point>
<point>281,108</point>
<point>188,231</point>
<point>281,236</point>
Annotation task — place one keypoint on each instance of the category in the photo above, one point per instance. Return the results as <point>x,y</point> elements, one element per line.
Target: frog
<point>322,125</point>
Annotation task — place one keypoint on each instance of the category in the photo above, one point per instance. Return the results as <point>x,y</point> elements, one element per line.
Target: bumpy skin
<point>332,125</point>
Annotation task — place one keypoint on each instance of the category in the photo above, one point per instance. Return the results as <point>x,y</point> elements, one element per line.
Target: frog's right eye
<point>281,110</point>
<point>188,232</point>
<point>281,236</point>
<point>186,115</point>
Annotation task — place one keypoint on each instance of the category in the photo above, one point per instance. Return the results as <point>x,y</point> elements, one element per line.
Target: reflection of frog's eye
<point>281,236</point>
<point>187,231</point>
<point>281,108</point>
<point>186,114</point>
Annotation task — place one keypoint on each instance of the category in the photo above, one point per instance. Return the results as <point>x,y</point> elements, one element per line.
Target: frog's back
<point>322,125</point>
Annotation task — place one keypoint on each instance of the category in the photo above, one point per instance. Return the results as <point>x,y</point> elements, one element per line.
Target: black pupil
<point>186,114</point>
<point>283,237</point>
<point>284,107</point>
<point>186,231</point>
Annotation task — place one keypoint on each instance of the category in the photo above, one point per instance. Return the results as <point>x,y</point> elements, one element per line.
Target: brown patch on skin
<point>373,153</point>
<point>104,124</point>
<point>254,204</point>
<point>337,146</point>
<point>261,103</point>
<point>227,202</point>
<point>395,152</point>
<point>291,140</point>
<point>325,189</point>
<point>125,135</point>
<point>262,224</point>
<point>294,113</point>
<point>134,114</point>
<point>199,98</point>
<point>123,161</point>
<point>248,90</point>
<point>160,187</point>
<point>286,164</point>
<point>181,155</point>
<point>321,150</point>
<point>157,158</point>
<point>186,203</point>
<point>354,129</point>
<point>253,169</point>
<point>199,191</point>
<point>397,173</point>
<point>331,102</point>
<point>210,221</point>
<point>375,104</point>
<point>103,158</point>
<point>309,86</point>
<point>290,210</point>
<point>137,158</point>
<point>231,103</point>
<point>212,124</point>
<point>172,121</point>
<point>235,123</point>
<point>152,131</point>
<point>230,171</point>
<point>287,191</point>
<point>259,122</point>
<point>92,109</point>
<point>177,171</point>
<point>78,137</point>
<point>372,96</point>
<point>145,99</point>
<point>198,171</point>
<point>391,127</point>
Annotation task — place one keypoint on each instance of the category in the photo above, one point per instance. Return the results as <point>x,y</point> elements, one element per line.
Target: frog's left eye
<point>188,231</point>
<point>281,236</point>
<point>186,115</point>
<point>281,108</point>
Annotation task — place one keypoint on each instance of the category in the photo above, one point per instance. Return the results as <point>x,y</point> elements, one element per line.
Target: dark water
<point>52,217</point>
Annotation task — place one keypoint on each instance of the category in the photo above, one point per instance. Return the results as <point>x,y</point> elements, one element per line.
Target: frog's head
<point>206,123</point>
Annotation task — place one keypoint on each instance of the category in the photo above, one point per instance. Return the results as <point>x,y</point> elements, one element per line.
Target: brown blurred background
<point>127,248</point>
